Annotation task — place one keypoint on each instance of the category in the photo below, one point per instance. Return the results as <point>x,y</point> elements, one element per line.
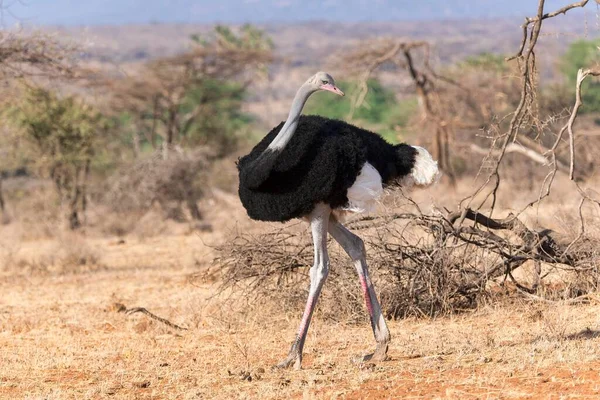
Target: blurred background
<point>130,78</point>
<point>124,117</point>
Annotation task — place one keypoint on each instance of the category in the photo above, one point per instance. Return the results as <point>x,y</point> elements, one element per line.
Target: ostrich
<point>316,168</point>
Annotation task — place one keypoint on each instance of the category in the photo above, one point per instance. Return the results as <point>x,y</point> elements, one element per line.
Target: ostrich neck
<point>288,129</point>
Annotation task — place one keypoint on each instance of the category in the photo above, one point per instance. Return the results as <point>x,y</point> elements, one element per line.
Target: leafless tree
<point>176,180</point>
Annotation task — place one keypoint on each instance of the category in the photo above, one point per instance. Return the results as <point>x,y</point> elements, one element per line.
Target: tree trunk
<point>447,161</point>
<point>154,122</point>
<point>171,128</point>
<point>193,207</point>
<point>1,197</point>
<point>190,200</point>
<point>84,182</point>
<point>78,201</point>
<point>74,222</point>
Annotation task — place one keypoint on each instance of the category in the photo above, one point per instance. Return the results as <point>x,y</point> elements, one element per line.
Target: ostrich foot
<point>292,359</point>
<point>380,354</point>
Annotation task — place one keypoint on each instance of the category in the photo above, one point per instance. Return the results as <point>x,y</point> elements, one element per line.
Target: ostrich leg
<point>319,220</point>
<point>355,248</point>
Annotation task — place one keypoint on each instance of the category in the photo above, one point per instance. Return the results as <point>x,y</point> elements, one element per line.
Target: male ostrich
<point>313,167</point>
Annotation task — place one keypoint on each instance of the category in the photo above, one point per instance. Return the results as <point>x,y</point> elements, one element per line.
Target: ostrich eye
<point>324,82</point>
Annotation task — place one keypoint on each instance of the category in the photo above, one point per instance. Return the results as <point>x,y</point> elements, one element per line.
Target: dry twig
<point>122,308</point>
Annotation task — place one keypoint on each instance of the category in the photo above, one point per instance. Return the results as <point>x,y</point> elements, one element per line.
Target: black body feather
<point>319,164</point>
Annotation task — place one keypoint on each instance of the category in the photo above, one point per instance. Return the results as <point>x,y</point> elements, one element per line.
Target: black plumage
<point>319,164</point>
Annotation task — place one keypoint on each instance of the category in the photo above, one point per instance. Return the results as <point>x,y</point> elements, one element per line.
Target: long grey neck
<point>289,128</point>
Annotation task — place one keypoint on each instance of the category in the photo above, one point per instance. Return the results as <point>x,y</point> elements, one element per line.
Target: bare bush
<point>172,182</point>
<point>421,264</point>
<point>272,268</point>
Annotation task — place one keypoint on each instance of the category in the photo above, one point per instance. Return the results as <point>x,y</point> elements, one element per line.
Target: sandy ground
<point>62,336</point>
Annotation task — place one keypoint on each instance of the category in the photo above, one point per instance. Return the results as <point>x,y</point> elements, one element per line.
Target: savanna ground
<point>63,332</point>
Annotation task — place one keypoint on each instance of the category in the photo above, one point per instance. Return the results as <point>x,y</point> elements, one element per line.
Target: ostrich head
<point>323,81</point>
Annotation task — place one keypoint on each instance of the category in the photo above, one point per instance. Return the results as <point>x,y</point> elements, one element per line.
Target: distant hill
<point>102,12</point>
<point>312,43</point>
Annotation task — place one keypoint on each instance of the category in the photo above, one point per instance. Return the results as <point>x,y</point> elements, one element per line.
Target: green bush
<point>488,61</point>
<point>583,54</point>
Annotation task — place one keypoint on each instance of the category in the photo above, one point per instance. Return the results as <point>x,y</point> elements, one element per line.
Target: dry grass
<point>61,338</point>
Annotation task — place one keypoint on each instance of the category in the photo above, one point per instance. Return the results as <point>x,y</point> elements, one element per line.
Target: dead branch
<point>525,118</point>
<point>543,245</point>
<point>539,18</point>
<point>520,115</point>
<point>129,311</point>
<point>520,149</point>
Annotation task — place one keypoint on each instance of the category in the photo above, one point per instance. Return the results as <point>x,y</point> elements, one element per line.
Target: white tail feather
<point>425,172</point>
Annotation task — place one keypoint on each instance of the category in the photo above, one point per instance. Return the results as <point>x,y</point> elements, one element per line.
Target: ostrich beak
<point>332,88</point>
